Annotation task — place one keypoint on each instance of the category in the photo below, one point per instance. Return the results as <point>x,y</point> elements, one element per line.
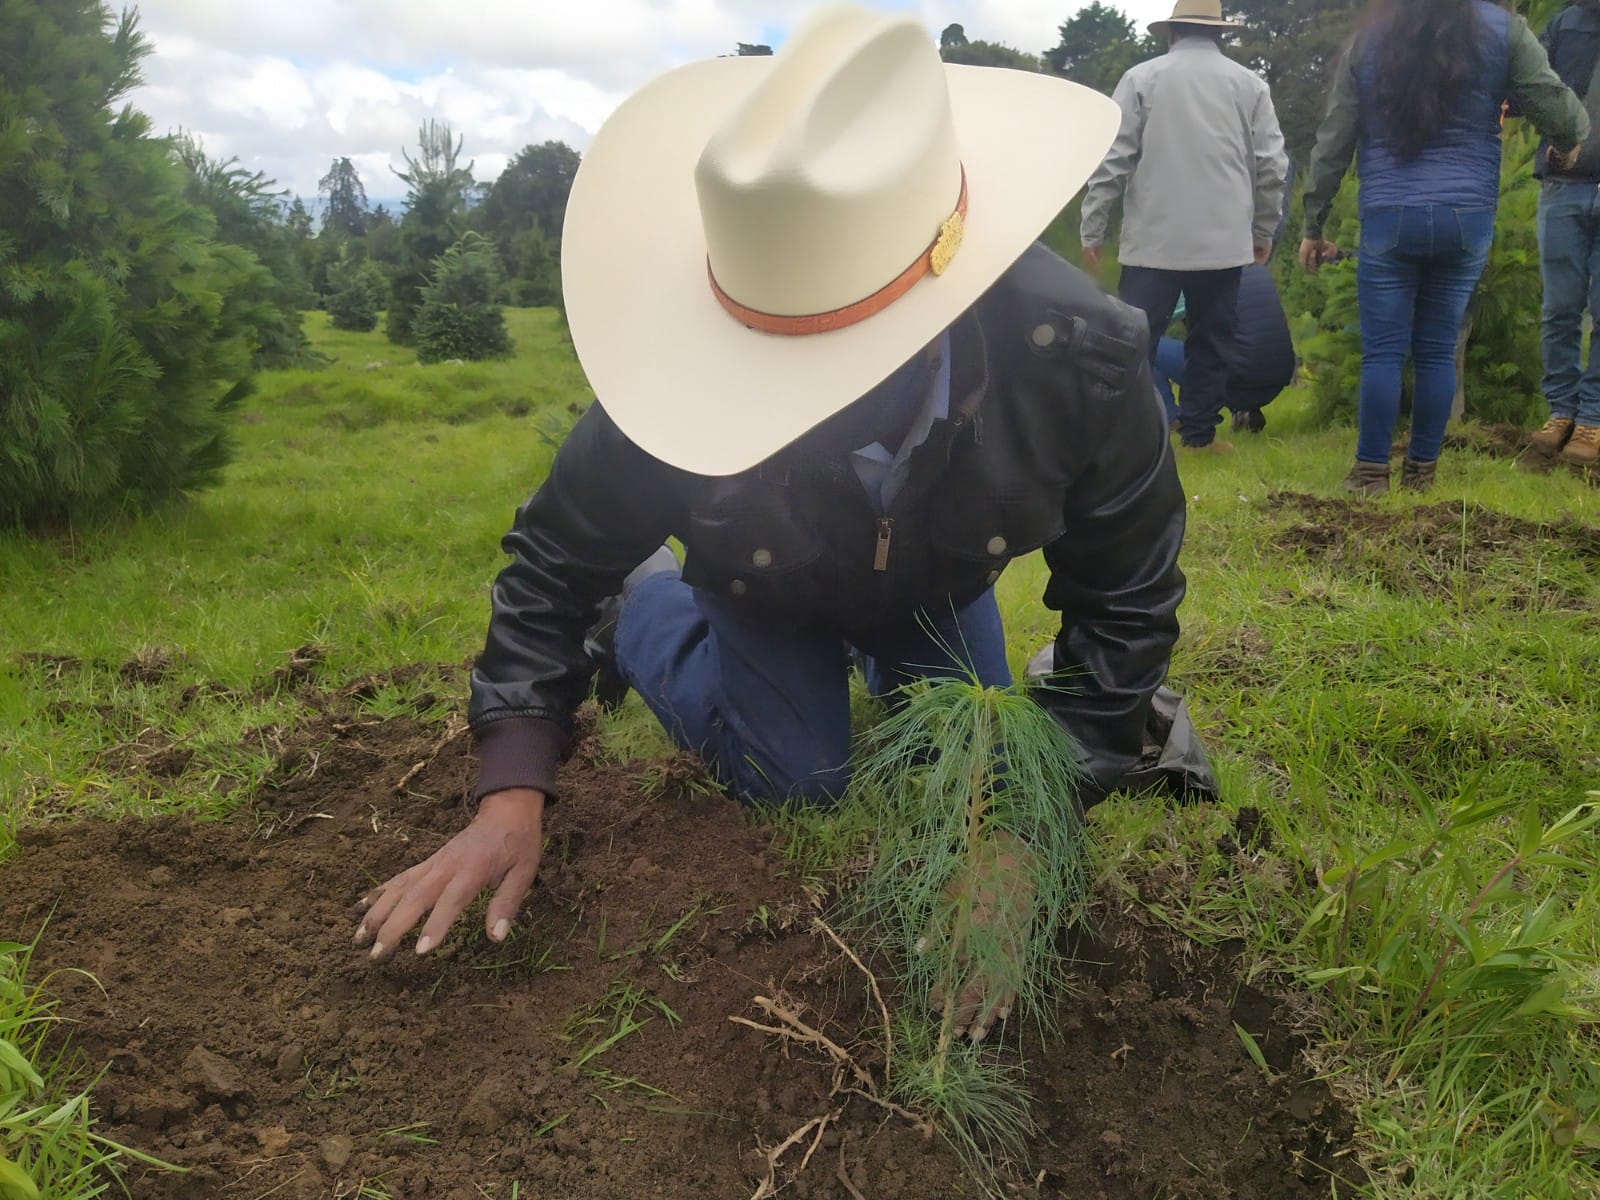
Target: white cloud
<point>289,86</point>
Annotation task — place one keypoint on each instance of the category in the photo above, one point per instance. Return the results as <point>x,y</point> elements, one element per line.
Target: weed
<point>611,1019</point>
<point>48,1146</point>
<point>550,1124</point>
<point>329,1084</point>
<point>416,1133</point>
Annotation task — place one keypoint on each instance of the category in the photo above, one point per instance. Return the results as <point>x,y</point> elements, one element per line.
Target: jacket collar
<point>969,381</point>
<point>969,366</point>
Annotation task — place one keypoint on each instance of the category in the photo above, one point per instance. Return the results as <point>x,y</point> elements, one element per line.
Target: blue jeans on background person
<point>1169,370</point>
<point>1569,262</point>
<point>768,709</point>
<point>1211,299</point>
<point>1417,271</point>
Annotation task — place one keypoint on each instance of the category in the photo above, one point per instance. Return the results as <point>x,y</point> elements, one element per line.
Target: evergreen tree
<point>250,214</point>
<point>986,54</point>
<point>1098,45</point>
<point>956,47</point>
<point>126,331</point>
<point>344,199</point>
<point>533,187</point>
<point>536,273</point>
<point>460,315</point>
<point>1294,45</point>
<point>383,239</point>
<point>435,205</point>
<point>355,295</point>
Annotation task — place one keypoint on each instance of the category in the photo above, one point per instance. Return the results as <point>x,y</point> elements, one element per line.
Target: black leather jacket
<point>1055,439</point>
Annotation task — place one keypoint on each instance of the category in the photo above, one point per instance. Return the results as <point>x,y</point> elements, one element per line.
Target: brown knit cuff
<point>519,752</point>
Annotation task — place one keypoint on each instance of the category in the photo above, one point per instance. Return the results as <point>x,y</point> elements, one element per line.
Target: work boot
<point>1214,446</point>
<point>1551,436</point>
<point>610,688</point>
<point>1367,479</point>
<point>1583,447</point>
<point>1416,476</point>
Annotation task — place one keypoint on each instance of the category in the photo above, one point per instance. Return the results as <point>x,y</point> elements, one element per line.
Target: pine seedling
<point>977,870</point>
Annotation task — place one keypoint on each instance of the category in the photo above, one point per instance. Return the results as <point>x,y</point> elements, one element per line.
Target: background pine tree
<point>436,206</point>
<point>126,329</point>
<point>460,315</point>
<point>356,295</point>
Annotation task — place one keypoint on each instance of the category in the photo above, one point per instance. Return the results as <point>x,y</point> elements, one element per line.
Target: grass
<point>360,520</point>
<point>1417,727</point>
<point>48,1147</point>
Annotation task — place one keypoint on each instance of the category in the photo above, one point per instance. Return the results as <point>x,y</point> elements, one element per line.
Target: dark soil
<point>246,1039</point>
<point>1444,551</point>
<point>1500,440</point>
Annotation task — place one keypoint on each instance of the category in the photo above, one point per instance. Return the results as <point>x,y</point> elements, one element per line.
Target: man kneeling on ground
<point>832,363</point>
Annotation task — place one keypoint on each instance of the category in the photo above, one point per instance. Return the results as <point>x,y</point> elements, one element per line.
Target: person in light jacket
<point>1200,166</point>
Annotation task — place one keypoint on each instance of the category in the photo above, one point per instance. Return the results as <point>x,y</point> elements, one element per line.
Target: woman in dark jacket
<point>1417,99</point>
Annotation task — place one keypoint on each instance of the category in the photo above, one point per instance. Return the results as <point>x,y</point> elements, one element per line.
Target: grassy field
<point>1403,689</point>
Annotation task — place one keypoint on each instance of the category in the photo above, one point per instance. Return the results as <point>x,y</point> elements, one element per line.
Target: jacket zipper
<point>880,559</point>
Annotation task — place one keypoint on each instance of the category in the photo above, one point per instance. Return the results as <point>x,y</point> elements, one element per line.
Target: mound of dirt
<point>592,1056</point>
<point>1436,550</point>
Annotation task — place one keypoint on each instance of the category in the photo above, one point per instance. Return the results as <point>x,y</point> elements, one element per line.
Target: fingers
<point>508,899</point>
<point>980,1006</point>
<point>416,899</point>
<point>377,905</point>
<point>997,1010</point>
<point>459,889</point>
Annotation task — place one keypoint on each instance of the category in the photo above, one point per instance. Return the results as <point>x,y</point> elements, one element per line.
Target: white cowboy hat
<point>1194,12</point>
<point>752,243</point>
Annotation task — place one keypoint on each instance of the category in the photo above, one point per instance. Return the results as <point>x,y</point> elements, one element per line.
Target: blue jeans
<point>768,709</point>
<point>1168,370</point>
<point>1569,261</point>
<point>1417,271</point>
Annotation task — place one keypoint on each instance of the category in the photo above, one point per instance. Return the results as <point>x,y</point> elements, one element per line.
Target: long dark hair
<point>1427,52</point>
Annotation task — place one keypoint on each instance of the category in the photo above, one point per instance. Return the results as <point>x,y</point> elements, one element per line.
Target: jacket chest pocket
<point>996,529</point>
<point>759,553</point>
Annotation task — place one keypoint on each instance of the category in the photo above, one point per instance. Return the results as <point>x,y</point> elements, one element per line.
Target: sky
<point>287,86</point>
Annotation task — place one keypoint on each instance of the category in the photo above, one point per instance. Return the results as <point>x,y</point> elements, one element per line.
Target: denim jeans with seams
<point>768,709</point>
<point>1569,262</point>
<point>1417,271</point>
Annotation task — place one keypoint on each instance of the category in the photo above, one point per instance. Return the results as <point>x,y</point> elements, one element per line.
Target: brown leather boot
<point>1367,479</point>
<point>1416,476</point>
<point>1551,436</point>
<point>1583,447</point>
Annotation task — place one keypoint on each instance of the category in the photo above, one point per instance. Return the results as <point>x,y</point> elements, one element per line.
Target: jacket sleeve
<point>1114,575</point>
<point>1538,93</point>
<point>605,507</point>
<point>1336,146</point>
<point>1110,178</point>
<point>1271,168</point>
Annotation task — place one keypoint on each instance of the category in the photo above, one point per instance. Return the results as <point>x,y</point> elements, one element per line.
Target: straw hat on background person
<point>1193,12</point>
